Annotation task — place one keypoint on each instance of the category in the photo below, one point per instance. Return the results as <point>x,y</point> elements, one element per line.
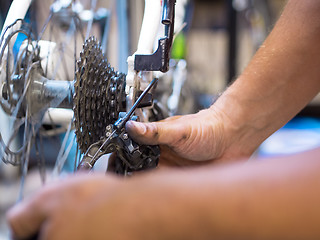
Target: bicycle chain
<point>99,95</point>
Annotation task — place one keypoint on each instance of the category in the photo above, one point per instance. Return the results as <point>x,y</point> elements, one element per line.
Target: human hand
<point>71,208</point>
<point>188,140</point>
<point>91,206</point>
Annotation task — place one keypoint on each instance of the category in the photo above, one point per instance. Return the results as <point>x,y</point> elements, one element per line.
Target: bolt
<point>125,136</point>
<point>108,128</point>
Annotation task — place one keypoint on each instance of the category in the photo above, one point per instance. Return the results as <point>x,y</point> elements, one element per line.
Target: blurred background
<point>215,43</point>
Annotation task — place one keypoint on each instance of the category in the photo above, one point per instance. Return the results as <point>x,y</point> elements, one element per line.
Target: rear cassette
<point>99,95</point>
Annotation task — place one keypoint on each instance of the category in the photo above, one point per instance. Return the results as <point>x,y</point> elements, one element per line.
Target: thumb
<point>153,133</point>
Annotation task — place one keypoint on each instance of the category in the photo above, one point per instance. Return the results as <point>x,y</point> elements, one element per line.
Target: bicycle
<point>34,91</point>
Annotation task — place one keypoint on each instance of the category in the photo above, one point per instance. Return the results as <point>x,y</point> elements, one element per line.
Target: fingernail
<point>139,127</point>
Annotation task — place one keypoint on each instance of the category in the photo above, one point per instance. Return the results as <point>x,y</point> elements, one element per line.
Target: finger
<point>153,133</point>
<point>25,219</point>
<point>170,158</point>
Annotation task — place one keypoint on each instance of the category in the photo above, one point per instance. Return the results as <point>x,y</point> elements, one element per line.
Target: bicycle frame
<point>149,29</point>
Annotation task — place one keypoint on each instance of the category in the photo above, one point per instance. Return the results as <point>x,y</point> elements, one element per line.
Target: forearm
<point>270,199</point>
<point>273,199</point>
<point>279,81</point>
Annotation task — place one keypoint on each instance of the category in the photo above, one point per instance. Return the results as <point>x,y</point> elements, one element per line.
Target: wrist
<point>244,130</point>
